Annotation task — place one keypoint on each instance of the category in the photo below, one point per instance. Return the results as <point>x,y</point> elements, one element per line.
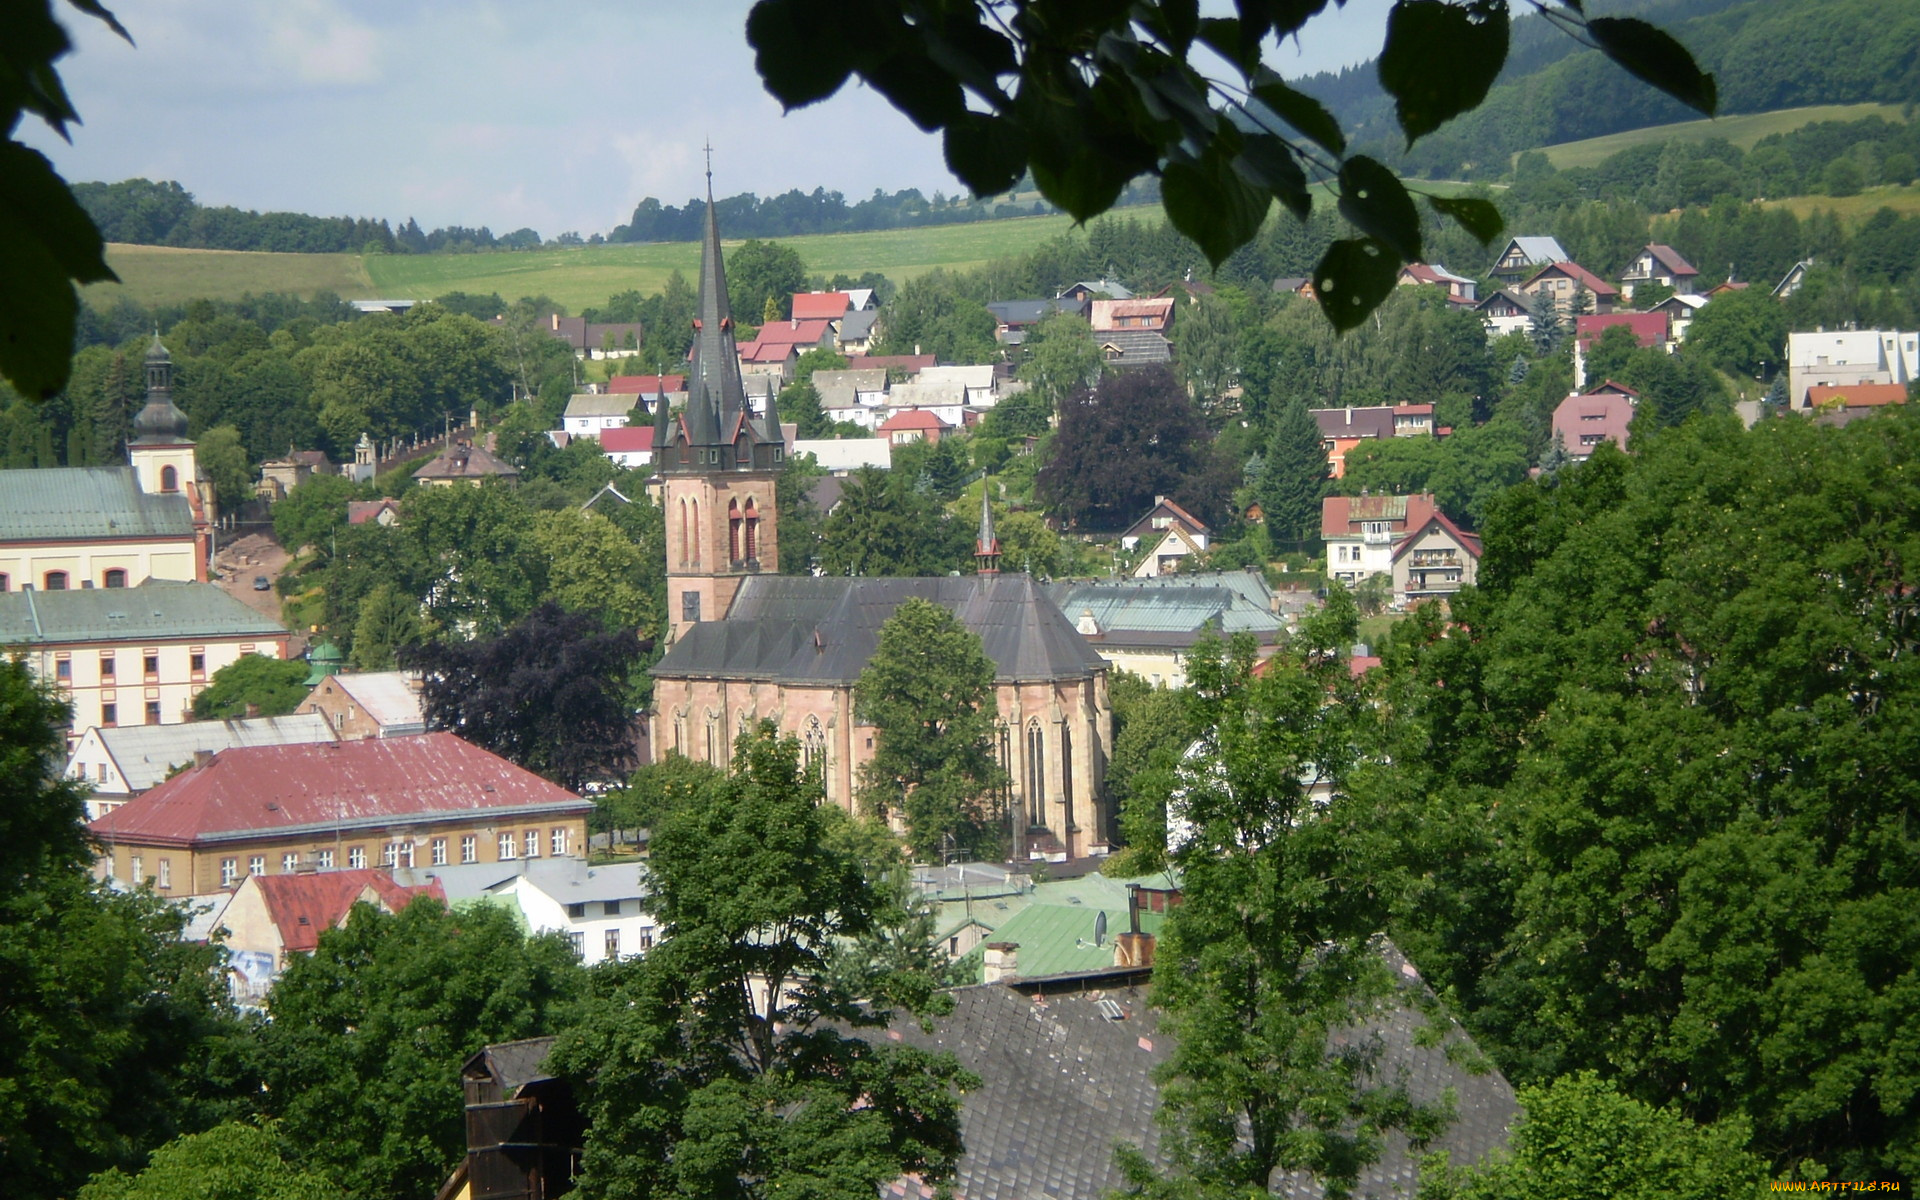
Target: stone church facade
<point>750,644</point>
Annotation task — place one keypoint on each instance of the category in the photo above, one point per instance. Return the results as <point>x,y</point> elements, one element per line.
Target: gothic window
<point>713,738</point>
<point>683,531</point>
<point>680,732</point>
<point>695,505</point>
<point>733,531</point>
<point>689,606</point>
<point>752,529</point>
<point>813,749</point>
<point>1066,771</point>
<point>1036,774</point>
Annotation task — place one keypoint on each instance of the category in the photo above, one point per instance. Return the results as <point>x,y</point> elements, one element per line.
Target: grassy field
<point>166,275</point>
<point>1742,131</point>
<point>1854,209</point>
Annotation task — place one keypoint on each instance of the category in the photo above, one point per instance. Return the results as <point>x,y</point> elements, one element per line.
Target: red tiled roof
<point>829,306</point>
<point>765,352</point>
<point>792,333</point>
<point>1340,514</point>
<point>303,905</point>
<point>912,418</point>
<point>1649,328</point>
<point>645,385</point>
<point>1413,410</point>
<point>1858,395</point>
<point>1470,542</point>
<point>1608,385</point>
<point>251,790</point>
<point>1578,274</point>
<point>627,439</point>
<point>359,512</point>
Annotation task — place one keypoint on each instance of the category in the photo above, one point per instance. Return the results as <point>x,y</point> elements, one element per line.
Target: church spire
<point>159,422</point>
<point>986,547</point>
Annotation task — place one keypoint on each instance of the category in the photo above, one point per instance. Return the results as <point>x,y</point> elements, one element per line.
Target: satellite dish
<point>1100,929</point>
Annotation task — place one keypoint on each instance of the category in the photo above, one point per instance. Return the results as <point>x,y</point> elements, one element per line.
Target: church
<point>748,643</point>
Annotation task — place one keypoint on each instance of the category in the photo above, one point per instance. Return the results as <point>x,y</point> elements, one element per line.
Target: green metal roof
<point>86,502</point>
<point>1054,924</point>
<point>156,609</point>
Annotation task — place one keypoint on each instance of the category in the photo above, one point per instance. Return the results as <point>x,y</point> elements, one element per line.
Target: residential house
<point>845,394</point>
<point>1680,309</point>
<point>1148,625</point>
<point>945,398</point>
<point>1522,256</point>
<point>853,333</point>
<point>630,447</point>
<point>1460,290</point>
<point>977,383</point>
<point>588,413</point>
<point>1602,414</point>
<point>392,307</point>
<point>462,462</point>
<point>1341,429</point>
<point>384,512</point>
<point>1846,357</point>
<point>844,456</point>
<point>1791,282</point>
<point>133,656</point>
<point>601,910</point>
<point>271,918</point>
<point>648,386</point>
<point>590,339</point>
<point>1413,420</point>
<point>819,306</point>
<point>1859,395</point>
<point>897,366</point>
<point>906,426</point>
<point>1134,348</point>
<point>1294,285</point>
<point>279,476</point>
<point>431,799</point>
<point>776,359</point>
<point>1505,311</point>
<point>113,527</point>
<point>1572,288</point>
<point>802,335</point>
<point>1110,316</point>
<point>1087,290</point>
<point>1659,265</point>
<point>368,704</point>
<point>1731,285</point>
<point>1650,331</point>
<point>1435,560</point>
<point>1015,317</point>
<point>1163,516</point>
<point>1362,532</point>
<point>119,762</point>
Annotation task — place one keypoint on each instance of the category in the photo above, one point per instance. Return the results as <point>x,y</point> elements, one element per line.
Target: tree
<point>485,571</point>
<point>885,525</point>
<point>253,685</point>
<point>1544,323</point>
<point>1293,475</point>
<point>361,1060</point>
<point>928,693</point>
<point>655,791</point>
<point>1089,99</point>
<point>1134,437</point>
<point>225,461</point>
<point>727,1062</point>
<point>594,568</point>
<point>1058,358</point>
<point>231,1161</point>
<point>389,620</point>
<point>760,274</point>
<point>1741,332</point>
<point>1581,1139</point>
<point>548,694</point>
<point>1272,952</point>
<point>932,315</point>
<point>312,512</point>
<point>1152,727</point>
<point>1205,345</point>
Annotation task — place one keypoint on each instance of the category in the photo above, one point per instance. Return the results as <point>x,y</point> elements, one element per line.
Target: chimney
<point>253,710</point>
<point>201,758</point>
<point>1133,948</point>
<point>1002,962</point>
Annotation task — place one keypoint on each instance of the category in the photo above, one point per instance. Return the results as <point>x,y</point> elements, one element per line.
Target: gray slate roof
<point>1145,607</point>
<point>857,324</point>
<point>603,404</point>
<point>1031,312</point>
<point>796,629</point>
<point>86,502</point>
<point>1136,346</point>
<point>145,753</point>
<point>156,609</point>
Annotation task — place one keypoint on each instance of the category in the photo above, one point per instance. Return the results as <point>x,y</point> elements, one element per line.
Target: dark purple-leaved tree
<point>1135,436</point>
<point>550,694</point>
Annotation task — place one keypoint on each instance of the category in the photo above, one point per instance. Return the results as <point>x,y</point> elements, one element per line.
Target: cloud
<point>322,44</point>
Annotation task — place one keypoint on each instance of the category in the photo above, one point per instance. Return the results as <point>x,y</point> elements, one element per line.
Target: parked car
<point>261,583</point>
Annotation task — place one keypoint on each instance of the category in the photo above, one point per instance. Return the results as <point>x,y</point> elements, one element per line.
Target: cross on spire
<point>708,148</point>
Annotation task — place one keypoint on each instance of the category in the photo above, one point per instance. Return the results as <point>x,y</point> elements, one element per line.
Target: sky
<point>559,117</point>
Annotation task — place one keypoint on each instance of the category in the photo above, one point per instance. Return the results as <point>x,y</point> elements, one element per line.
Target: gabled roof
<point>1577,273</point>
<point>1470,542</point>
<point>1669,258</point>
<point>90,503</point>
<point>627,439</point>
<point>1608,387</point>
<point>253,790</point>
<point>1680,304</point>
<point>1342,516</point>
<point>857,325</point>
<point>156,609</point>
<point>1106,287</point>
<point>767,352</point>
<point>912,418</point>
<point>1017,313</point>
<point>1523,303</point>
<point>911,364</point>
<point>302,905</point>
<point>646,385</point>
<point>388,697</point>
<point>601,404</point>
<point>1144,524</point>
<point>1106,313</point>
<point>1856,395</point>
<point>1372,422</point>
<point>1136,346</point>
<point>801,629</point>
<point>145,753</point>
<point>793,333</point>
<point>464,461</point>
<point>823,306</point>
<point>1536,249</point>
<point>1432,273</point>
<point>359,512</point>
<point>1648,328</point>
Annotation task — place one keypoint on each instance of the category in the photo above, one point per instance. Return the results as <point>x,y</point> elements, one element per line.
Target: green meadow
<point>1743,131</point>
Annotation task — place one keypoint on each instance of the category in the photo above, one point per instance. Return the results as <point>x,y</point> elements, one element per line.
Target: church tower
<point>163,459</point>
<point>718,460</point>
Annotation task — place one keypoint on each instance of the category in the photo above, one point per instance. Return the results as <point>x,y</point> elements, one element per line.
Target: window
<point>229,871</point>
<point>559,840</point>
<point>136,870</point>
<point>610,908</point>
<point>257,865</point>
<point>507,846</point>
<point>63,670</point>
<point>5,583</point>
<point>166,872</point>
<point>390,855</point>
<point>439,852</point>
<point>169,479</point>
<point>404,854</point>
<point>106,668</point>
<point>150,663</point>
<point>153,712</point>
<point>54,581</point>
<point>646,939</point>
<point>1036,774</point>
<point>115,578</point>
<point>533,843</point>
<point>613,943</point>
<point>579,940</point>
<point>689,606</point>
<point>469,849</point>
<point>99,773</point>
<point>290,862</point>
<point>197,663</point>
<point>357,857</point>
<point>577,909</point>
<point>324,858</point>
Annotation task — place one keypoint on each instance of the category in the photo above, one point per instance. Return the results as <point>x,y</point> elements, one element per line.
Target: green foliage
<point>928,693</point>
<point>388,621</point>
<point>932,314</point>
<point>1058,358</point>
<point>313,512</point>
<point>720,1064</point>
<point>1740,332</point>
<point>1464,471</point>
<point>224,460</point>
<point>593,567</point>
<point>1136,436</point>
<point>760,274</point>
<point>655,792</point>
<point>1152,727</point>
<point>269,687</point>
<point>1293,474</point>
<point>886,525</point>
<point>361,1060</point>
<point>40,816</point>
<point>231,1161</point>
<point>1581,1139</point>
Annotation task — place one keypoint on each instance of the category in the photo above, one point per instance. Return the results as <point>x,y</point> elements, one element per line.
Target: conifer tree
<point>1293,475</point>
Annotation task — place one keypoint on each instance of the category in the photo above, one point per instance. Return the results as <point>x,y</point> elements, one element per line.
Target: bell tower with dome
<point>163,459</point>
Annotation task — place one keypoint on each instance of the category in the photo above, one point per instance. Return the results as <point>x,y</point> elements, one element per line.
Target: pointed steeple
<point>986,547</point>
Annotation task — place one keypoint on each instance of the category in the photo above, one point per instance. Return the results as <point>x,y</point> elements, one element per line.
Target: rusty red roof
<point>912,418</point>
<point>645,385</point>
<point>626,439</point>
<point>1578,273</point>
<point>821,306</point>
<point>1340,516</point>
<point>792,333</point>
<point>1649,328</point>
<point>250,791</point>
<point>765,352</point>
<point>1670,258</point>
<point>300,906</point>
<point>1470,542</point>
